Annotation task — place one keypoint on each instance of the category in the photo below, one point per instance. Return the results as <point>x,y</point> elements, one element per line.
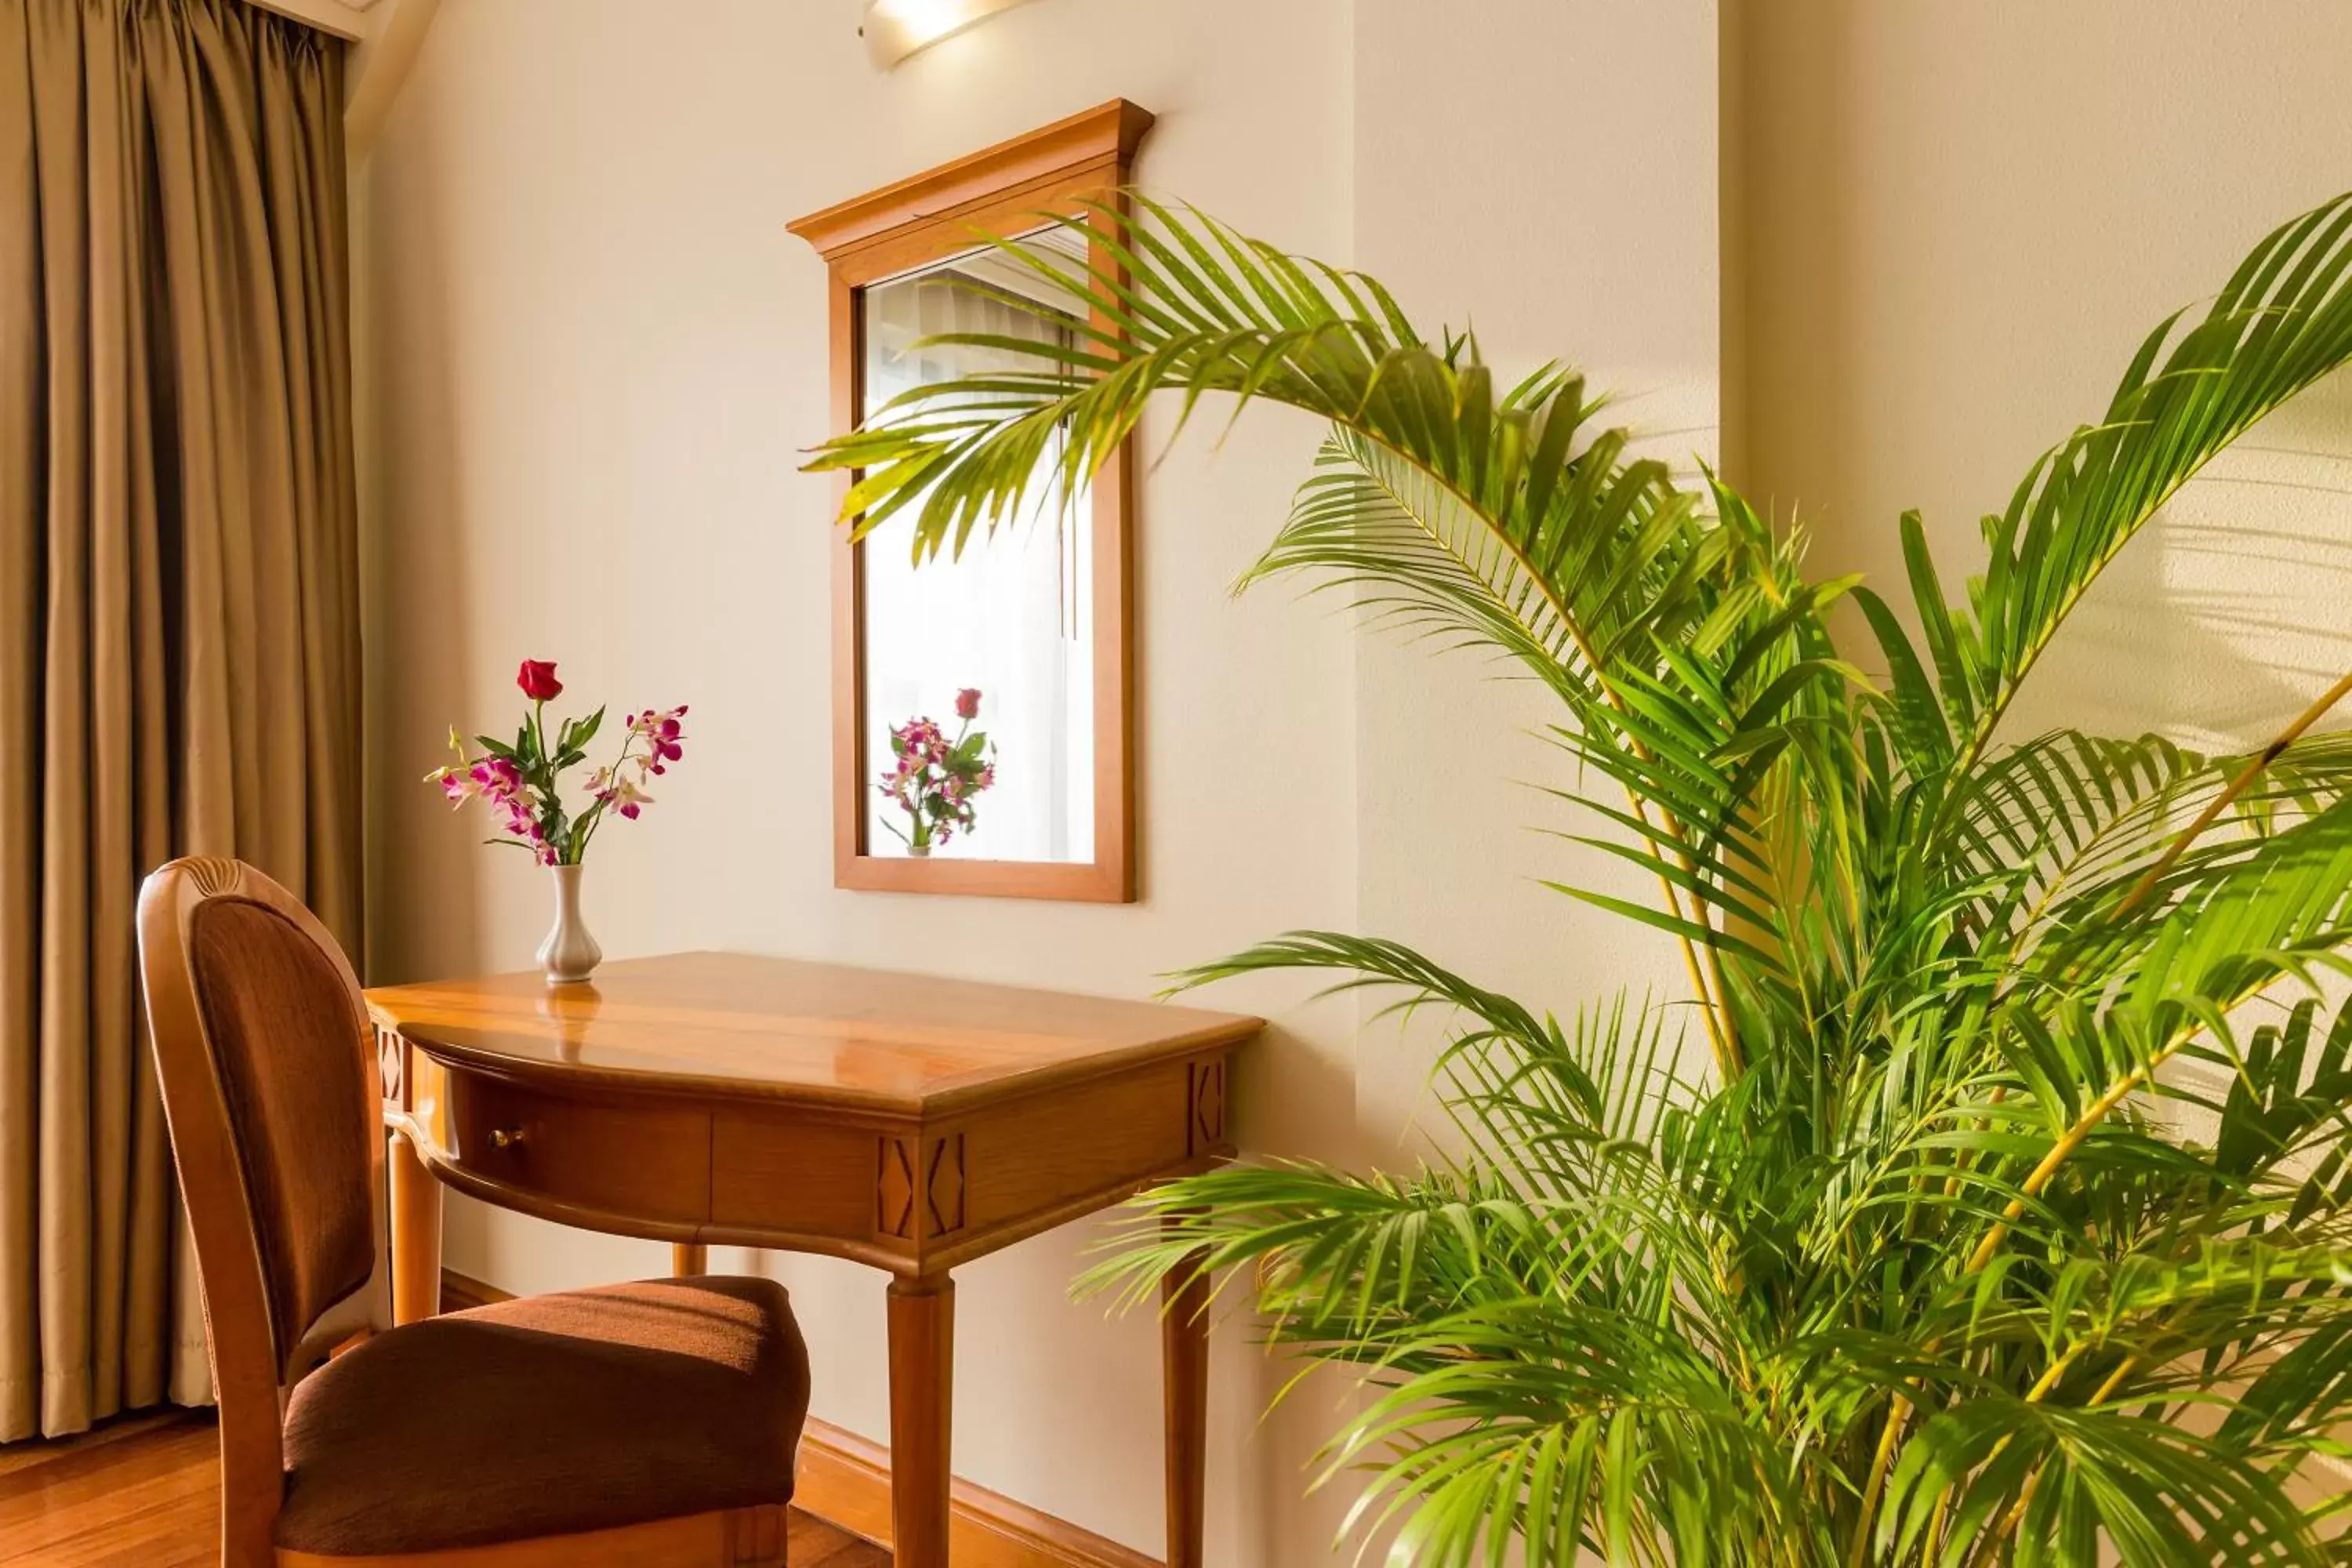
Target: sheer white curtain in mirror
<point>1011,617</point>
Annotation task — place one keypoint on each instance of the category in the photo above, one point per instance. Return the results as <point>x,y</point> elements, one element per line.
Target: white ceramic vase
<point>569,954</point>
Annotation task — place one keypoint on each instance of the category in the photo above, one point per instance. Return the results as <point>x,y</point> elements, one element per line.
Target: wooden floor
<point>144,1492</point>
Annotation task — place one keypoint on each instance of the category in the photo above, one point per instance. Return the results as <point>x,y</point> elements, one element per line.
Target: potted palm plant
<point>1986,1200</point>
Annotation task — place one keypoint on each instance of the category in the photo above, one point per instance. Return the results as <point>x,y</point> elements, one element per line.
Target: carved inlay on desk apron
<point>1208,1096</point>
<point>940,1191</point>
<point>392,1057</point>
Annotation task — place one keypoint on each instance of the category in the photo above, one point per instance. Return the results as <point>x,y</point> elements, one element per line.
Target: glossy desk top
<point>735,1026</point>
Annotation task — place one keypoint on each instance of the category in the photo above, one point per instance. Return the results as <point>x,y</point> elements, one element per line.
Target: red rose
<point>968,703</point>
<point>537,678</point>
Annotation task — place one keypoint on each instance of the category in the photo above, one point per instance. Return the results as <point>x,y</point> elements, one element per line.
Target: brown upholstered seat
<point>548,1416</point>
<point>651,1424</point>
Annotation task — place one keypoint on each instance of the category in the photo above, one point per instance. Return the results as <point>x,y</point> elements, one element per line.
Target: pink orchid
<point>662,733</point>
<point>497,778</point>
<point>619,792</point>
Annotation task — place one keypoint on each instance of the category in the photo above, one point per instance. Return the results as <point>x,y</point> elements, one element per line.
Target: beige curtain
<point>179,624</point>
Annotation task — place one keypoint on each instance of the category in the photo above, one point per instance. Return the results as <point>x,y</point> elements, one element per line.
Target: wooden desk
<point>905,1121</point>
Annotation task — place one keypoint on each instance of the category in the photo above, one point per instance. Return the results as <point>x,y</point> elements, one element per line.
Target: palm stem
<point>2238,787</point>
<point>1876,1485</point>
<point>2043,1172</point>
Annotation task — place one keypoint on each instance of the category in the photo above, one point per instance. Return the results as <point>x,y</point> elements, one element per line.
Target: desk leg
<point>1184,1361</point>
<point>415,1234</point>
<point>689,1259</point>
<point>922,1382</point>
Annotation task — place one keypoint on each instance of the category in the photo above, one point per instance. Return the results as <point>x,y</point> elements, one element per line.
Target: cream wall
<point>1917,241</point>
<point>1960,220</point>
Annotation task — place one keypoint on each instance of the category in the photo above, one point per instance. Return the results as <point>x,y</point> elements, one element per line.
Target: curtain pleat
<point>179,631</point>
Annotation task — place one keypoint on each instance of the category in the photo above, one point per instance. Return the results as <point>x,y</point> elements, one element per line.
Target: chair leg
<point>757,1537</point>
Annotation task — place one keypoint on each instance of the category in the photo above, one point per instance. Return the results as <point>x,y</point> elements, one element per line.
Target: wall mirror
<point>1035,619</point>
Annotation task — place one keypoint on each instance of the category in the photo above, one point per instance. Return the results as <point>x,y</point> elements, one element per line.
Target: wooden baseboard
<point>460,1292</point>
<point>845,1479</point>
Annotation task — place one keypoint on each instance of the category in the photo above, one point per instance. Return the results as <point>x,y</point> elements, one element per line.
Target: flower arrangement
<point>935,779</point>
<point>521,779</point>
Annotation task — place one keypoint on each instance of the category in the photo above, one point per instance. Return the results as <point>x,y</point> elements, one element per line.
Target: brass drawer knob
<point>506,1136</point>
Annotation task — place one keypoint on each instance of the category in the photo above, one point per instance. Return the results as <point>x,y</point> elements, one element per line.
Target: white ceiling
<point>344,18</point>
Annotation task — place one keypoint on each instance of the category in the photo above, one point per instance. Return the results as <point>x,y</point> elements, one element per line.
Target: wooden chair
<point>647,1424</point>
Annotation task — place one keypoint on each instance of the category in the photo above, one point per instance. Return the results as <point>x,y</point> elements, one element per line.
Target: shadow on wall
<point>1930,295</point>
<point>2234,609</point>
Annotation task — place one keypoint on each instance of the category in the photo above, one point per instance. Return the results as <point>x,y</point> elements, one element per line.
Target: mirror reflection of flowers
<point>936,778</point>
<point>520,780</point>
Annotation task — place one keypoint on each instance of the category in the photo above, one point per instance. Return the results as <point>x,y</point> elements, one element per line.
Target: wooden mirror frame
<point>1005,190</point>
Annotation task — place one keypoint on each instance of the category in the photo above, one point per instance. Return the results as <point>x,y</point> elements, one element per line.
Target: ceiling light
<point>894,29</point>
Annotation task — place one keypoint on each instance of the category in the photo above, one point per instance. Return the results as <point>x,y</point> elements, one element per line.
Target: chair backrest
<point>270,1087</point>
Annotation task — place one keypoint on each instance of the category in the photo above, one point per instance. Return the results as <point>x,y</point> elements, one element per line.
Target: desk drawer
<point>648,1161</point>
<point>794,1174</point>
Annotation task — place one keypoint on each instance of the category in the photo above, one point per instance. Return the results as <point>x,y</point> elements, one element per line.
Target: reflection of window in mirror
<point>1033,618</point>
<point>1010,618</point>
